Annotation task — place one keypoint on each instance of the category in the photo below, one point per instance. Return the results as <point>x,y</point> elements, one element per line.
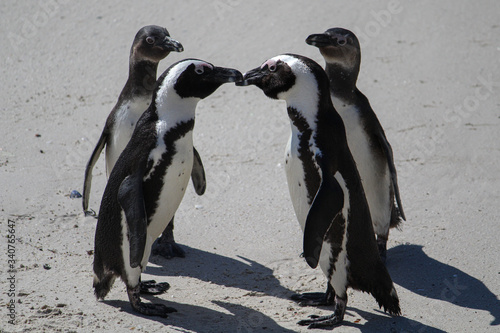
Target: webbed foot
<point>315,299</point>
<point>148,309</point>
<point>166,246</point>
<point>327,321</point>
<point>150,287</point>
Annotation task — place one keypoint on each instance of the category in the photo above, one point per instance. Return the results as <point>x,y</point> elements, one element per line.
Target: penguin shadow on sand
<point>243,274</point>
<point>413,269</point>
<point>379,321</point>
<point>195,318</point>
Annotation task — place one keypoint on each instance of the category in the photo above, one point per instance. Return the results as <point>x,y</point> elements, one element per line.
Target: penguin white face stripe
<point>300,96</point>
<point>166,91</point>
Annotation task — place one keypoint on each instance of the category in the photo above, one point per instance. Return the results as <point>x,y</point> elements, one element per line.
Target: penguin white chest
<point>296,178</point>
<point>125,120</point>
<point>175,181</point>
<point>357,138</point>
<point>373,171</point>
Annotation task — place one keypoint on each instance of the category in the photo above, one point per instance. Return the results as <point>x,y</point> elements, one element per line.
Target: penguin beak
<point>253,76</point>
<point>225,75</point>
<point>171,44</point>
<point>319,40</point>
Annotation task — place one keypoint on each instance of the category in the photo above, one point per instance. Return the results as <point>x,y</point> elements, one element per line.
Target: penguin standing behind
<point>151,44</point>
<point>149,179</point>
<point>365,136</point>
<point>325,187</point>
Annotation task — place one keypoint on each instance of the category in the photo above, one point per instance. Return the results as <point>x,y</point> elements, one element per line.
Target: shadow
<point>379,321</point>
<point>414,270</point>
<point>224,271</point>
<point>200,319</point>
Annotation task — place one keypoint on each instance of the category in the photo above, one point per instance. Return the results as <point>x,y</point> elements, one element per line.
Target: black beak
<point>253,76</point>
<point>225,75</point>
<point>171,44</point>
<point>319,40</point>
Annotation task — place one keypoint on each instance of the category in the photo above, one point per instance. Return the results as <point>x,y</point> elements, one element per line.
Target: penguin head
<point>337,46</point>
<point>281,77</point>
<point>153,43</point>
<point>193,78</point>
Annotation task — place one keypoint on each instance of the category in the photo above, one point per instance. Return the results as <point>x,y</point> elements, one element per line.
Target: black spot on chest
<point>312,177</point>
<point>154,184</point>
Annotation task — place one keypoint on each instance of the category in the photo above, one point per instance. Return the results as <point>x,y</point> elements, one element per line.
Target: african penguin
<point>365,136</point>
<point>325,187</point>
<point>151,44</point>
<point>149,179</point>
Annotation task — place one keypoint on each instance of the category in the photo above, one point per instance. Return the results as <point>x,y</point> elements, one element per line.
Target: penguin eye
<point>272,68</point>
<point>341,41</point>
<point>150,40</point>
<point>199,70</point>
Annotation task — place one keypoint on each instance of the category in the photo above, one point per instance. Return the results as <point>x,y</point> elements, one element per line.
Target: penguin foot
<point>147,309</point>
<point>150,287</point>
<point>312,299</point>
<point>382,249</point>
<point>316,299</point>
<point>167,249</point>
<point>320,322</point>
<point>90,212</point>
<point>327,321</point>
<point>166,246</point>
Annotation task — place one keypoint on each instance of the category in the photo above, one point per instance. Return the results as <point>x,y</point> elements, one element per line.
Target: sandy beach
<point>431,71</point>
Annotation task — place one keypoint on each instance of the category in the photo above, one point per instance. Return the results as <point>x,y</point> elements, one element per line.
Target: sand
<point>431,72</point>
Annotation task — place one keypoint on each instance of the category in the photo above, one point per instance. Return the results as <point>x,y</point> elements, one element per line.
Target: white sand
<point>431,72</point>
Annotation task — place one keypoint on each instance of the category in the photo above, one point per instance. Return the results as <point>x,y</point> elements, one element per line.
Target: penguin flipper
<point>88,171</point>
<point>131,199</point>
<point>386,146</point>
<point>198,174</point>
<point>326,207</point>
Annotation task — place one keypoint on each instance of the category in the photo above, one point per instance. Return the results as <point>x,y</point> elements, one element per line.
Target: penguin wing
<point>386,147</point>
<point>88,170</point>
<point>376,130</point>
<point>131,199</point>
<point>326,207</point>
<point>198,174</point>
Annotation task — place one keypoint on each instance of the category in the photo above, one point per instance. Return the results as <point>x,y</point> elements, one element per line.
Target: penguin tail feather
<point>102,285</point>
<point>396,218</point>
<point>384,292</point>
<point>390,302</point>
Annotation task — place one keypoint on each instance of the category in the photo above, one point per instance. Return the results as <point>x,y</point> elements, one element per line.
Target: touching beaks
<point>253,76</point>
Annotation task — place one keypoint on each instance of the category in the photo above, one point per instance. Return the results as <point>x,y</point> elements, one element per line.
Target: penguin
<point>325,188</point>
<point>151,44</point>
<point>149,179</point>
<point>365,136</point>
